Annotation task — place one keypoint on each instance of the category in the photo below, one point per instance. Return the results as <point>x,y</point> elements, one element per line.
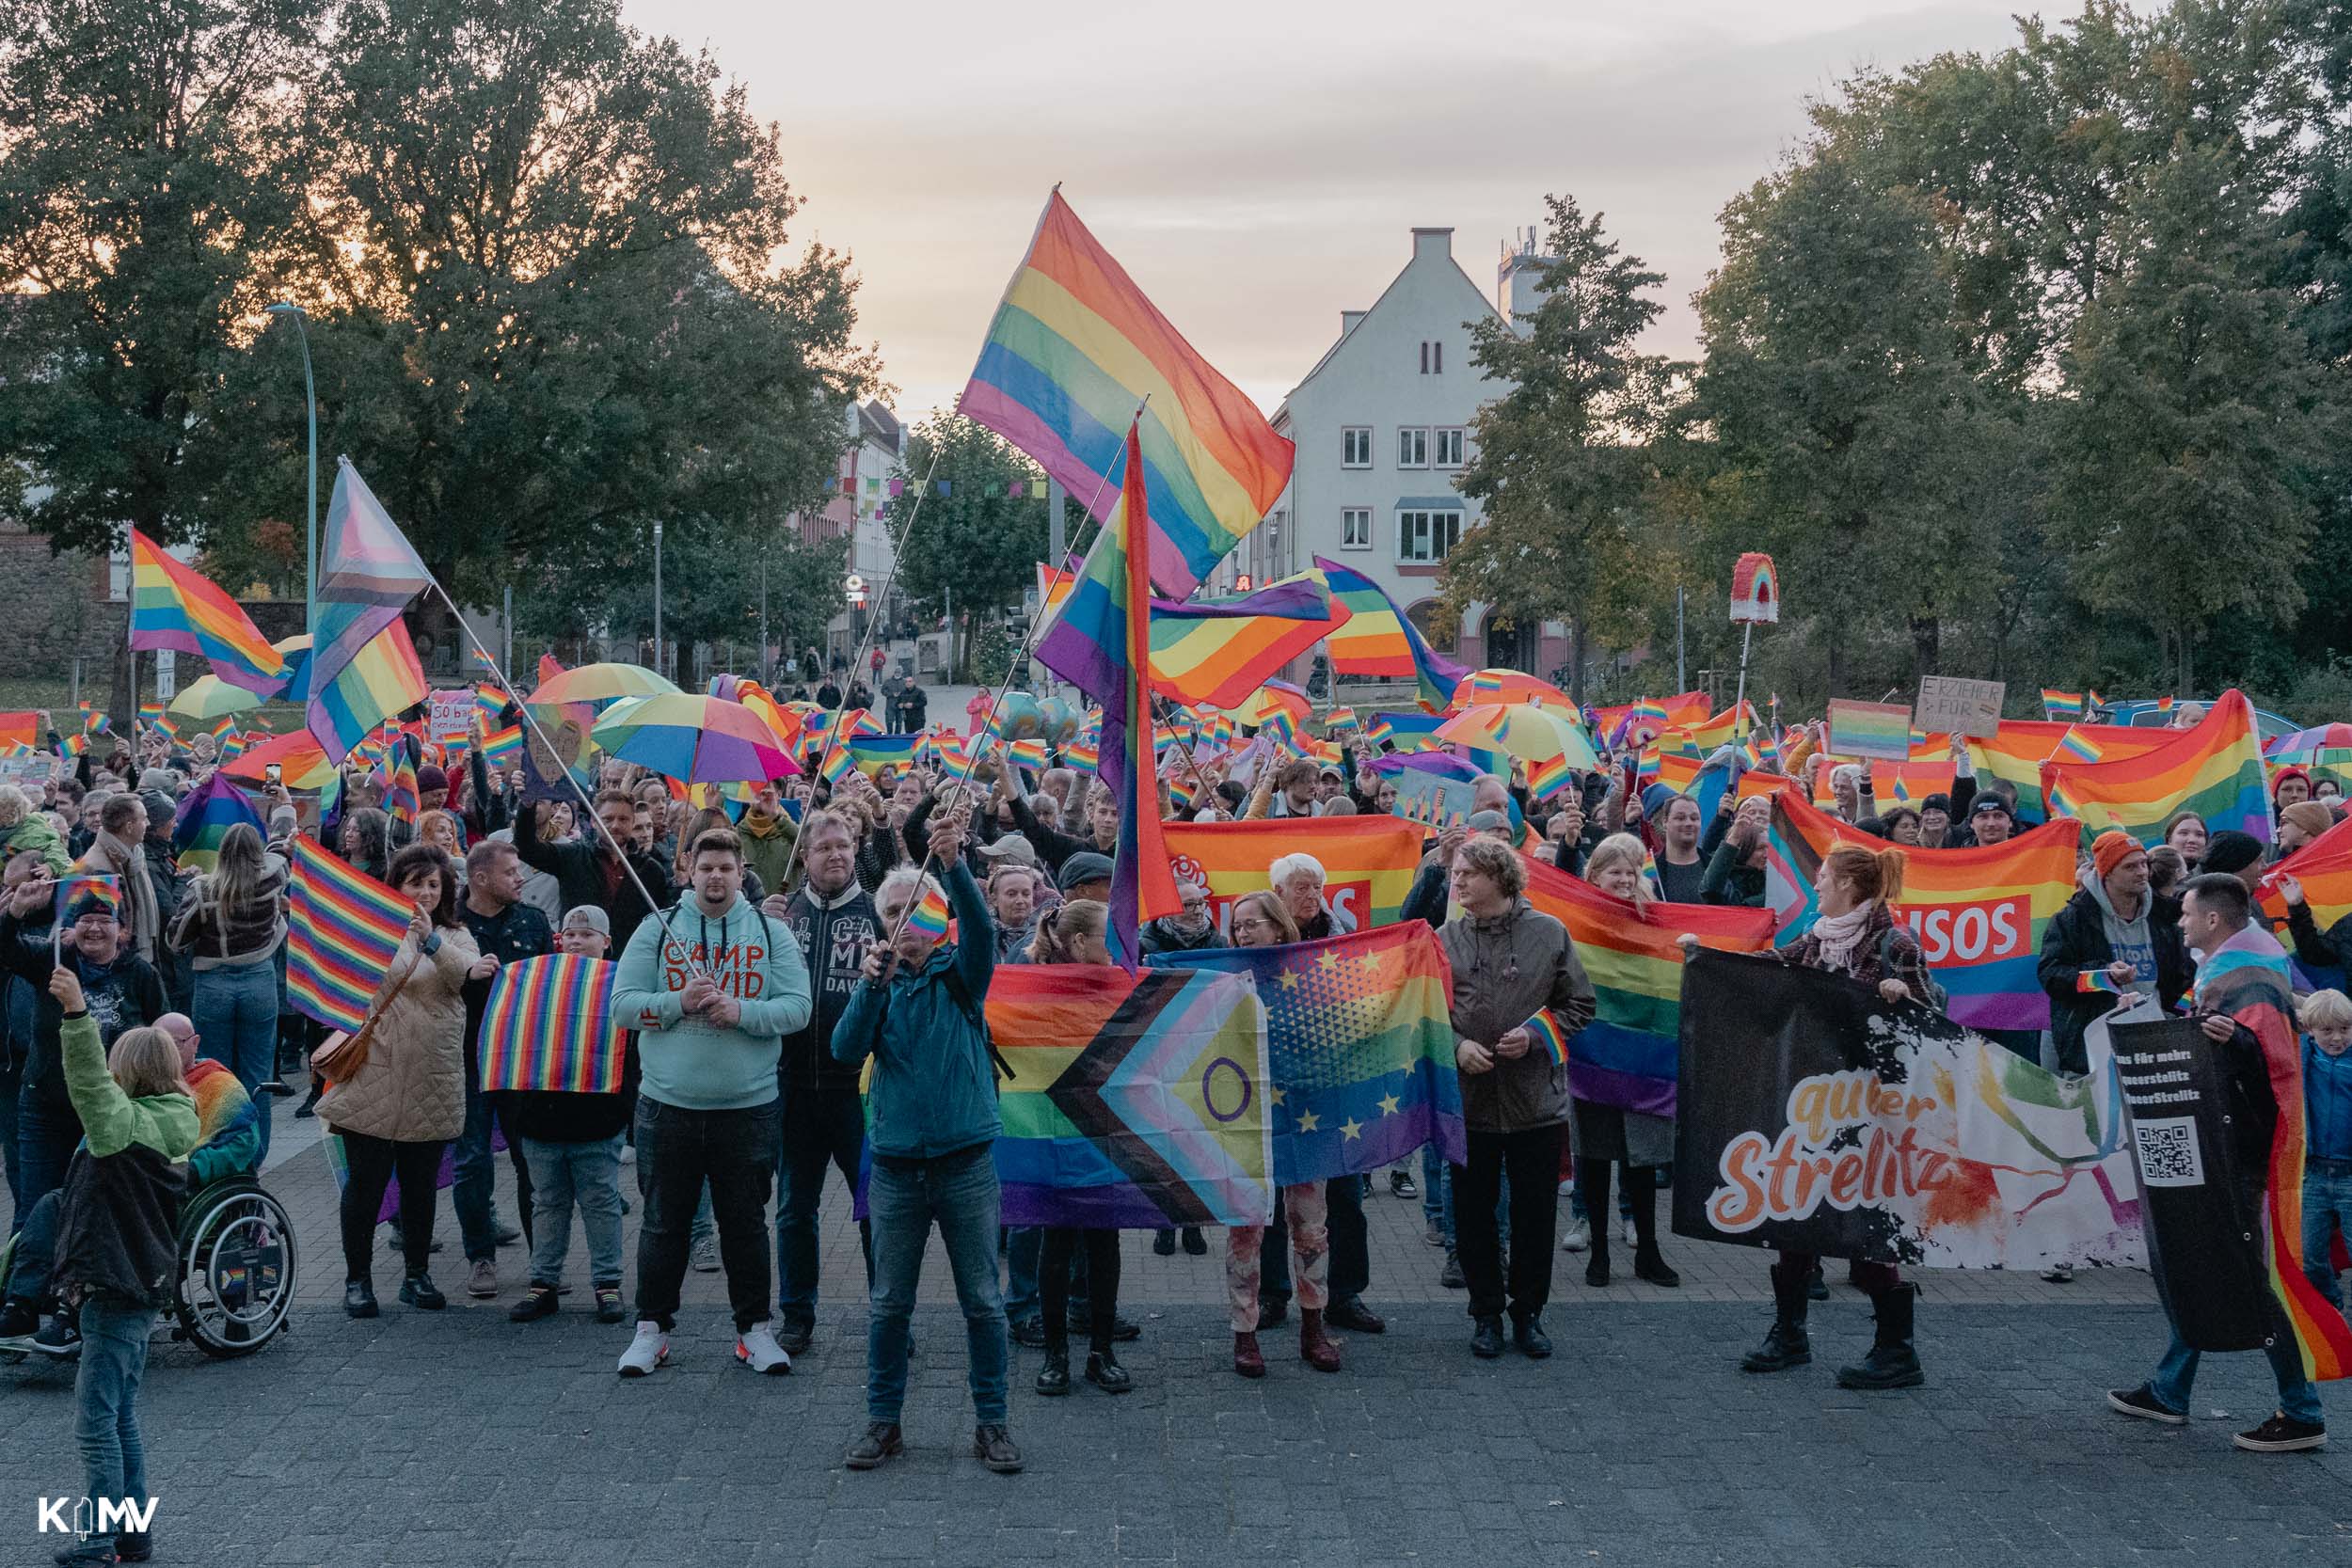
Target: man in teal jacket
<point>916,1012</point>
<point>711,987</point>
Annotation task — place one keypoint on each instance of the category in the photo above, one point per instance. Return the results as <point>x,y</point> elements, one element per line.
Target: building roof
<point>1281,414</point>
<point>878,423</point>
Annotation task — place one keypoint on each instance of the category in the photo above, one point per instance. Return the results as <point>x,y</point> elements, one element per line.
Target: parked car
<point>2144,715</point>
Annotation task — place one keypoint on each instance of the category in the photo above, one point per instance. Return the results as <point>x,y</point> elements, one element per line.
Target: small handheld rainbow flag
<point>1548,1038</point>
<point>1340,720</point>
<point>549,1025</point>
<point>2091,981</point>
<point>927,919</point>
<point>2061,704</point>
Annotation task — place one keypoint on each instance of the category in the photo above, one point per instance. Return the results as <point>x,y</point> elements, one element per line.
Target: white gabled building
<point>1382,429</point>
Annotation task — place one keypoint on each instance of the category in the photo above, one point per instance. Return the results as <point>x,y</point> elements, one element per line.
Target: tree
<point>710,590</point>
<point>1562,459</point>
<point>147,211</point>
<point>2196,421</point>
<point>974,545</point>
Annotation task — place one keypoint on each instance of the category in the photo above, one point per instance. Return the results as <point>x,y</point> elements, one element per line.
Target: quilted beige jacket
<point>413,1087</point>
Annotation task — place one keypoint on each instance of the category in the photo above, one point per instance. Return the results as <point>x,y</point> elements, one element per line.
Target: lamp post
<point>656,597</point>
<point>310,395</point>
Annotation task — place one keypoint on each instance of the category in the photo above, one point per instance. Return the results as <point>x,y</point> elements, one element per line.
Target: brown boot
<point>1247,1360</point>
<point>1314,1346</point>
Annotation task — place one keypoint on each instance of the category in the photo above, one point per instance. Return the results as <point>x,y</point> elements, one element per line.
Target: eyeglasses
<point>1253,923</point>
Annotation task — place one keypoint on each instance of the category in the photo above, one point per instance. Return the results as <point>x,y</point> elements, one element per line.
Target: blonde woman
<point>231,929</point>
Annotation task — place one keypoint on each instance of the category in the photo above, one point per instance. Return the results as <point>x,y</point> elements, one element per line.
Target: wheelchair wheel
<point>236,1270</point>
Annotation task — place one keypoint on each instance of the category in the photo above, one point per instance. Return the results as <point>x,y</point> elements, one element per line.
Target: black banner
<point>2200,1214</point>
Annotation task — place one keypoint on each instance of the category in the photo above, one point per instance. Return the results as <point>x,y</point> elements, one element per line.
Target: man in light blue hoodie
<point>711,987</point>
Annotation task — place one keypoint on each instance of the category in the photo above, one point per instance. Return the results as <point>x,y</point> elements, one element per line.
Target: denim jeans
<point>106,1397</point>
<point>2327,1209</point>
<point>473,1196</point>
<point>46,1131</point>
<point>678,1150</point>
<point>1023,1246</point>
<point>2297,1396</point>
<point>1436,1196</point>
<point>589,1173</point>
<point>236,1013</point>
<point>35,1250</point>
<point>822,1127</point>
<point>958,1193</point>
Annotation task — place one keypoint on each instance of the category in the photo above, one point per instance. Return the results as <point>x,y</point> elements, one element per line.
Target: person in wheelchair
<point>230,1143</point>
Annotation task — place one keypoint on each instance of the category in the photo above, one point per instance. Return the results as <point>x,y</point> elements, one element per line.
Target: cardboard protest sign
<point>1950,706</point>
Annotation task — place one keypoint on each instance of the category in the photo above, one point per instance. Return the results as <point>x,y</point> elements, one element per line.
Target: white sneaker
<point>1580,1236</point>
<point>649,1349</point>
<point>757,1349</point>
<point>1624,1229</point>
<point>707,1255</point>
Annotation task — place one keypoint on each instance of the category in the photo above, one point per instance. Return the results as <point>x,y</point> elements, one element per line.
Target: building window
<point>1427,536</point>
<point>1356,445</point>
<point>1355,528</point>
<point>1412,448</point>
<point>1424,357</point>
<point>1448,448</point>
<point>1437,359</point>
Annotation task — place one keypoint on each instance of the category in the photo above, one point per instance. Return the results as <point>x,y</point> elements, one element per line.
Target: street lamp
<point>310,395</point>
<point>656,596</point>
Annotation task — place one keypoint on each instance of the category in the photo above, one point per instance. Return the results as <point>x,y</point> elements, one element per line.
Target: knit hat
<point>1989,801</point>
<point>2232,851</point>
<point>2283,774</point>
<point>2310,816</point>
<point>430,777</point>
<point>1657,797</point>
<point>2111,850</point>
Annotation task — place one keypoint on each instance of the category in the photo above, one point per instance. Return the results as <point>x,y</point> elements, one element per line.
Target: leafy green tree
<point>2196,421</point>
<point>975,549</point>
<point>710,590</point>
<point>1562,459</point>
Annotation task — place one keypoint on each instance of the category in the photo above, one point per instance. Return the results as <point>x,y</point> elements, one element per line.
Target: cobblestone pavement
<point>463,1439</point>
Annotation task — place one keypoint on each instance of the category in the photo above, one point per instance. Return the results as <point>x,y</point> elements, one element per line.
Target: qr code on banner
<point>2168,1155</point>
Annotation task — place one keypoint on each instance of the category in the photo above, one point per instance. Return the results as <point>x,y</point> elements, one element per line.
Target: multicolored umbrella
<point>1523,730</point>
<point>2329,746</point>
<point>1484,688</point>
<point>1270,698</point>
<point>301,762</point>
<point>692,737</point>
<point>600,683</point>
<point>210,696</point>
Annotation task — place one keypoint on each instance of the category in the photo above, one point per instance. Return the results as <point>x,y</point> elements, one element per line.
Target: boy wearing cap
<point>572,1143</point>
<point>2109,929</point>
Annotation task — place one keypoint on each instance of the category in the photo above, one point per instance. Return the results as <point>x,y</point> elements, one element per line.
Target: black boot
<point>1592,1184</point>
<point>1104,1373</point>
<point>1641,1189</point>
<point>1892,1363</point>
<point>1784,1343</point>
<point>1053,1379</point>
<point>359,1298</point>
<point>1487,1338</point>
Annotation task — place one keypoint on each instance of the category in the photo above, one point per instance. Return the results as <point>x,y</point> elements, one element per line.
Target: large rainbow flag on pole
<point>1103,643</point>
<point>367,575</point>
<point>1075,349</point>
<point>1631,1055</point>
<point>178,608</point>
<point>1979,912</point>
<point>1133,1100</point>
<point>2214,770</point>
<point>548,1024</point>
<point>1359,1044</point>
<point>342,929</point>
<point>1220,651</point>
<point>1370,636</point>
<point>1368,861</point>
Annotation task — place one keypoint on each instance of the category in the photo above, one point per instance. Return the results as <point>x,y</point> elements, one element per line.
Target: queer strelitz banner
<point>1813,1116</point>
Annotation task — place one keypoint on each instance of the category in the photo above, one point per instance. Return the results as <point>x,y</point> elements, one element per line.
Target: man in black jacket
<point>119,990</point>
<point>832,919</point>
<point>589,872</point>
<point>2110,929</point>
<point>505,930</point>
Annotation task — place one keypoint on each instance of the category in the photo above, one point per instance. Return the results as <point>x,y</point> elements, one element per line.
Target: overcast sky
<point>1256,166</point>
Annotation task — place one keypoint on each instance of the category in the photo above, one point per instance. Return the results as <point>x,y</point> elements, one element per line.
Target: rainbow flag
<point>2246,979</point>
<point>1083,755</point>
<point>204,818</point>
<point>94,721</point>
<point>1907,783</point>
<point>380,680</point>
<point>1368,861</point>
<point>2091,981</point>
<point>1979,913</point>
<point>1370,636</point>
<point>1053,586</point>
<point>1731,725</point>
<point>78,885</point>
<point>871,753</point>
<point>399,784</point>
<point>1629,1055</point>
<point>1381,997</point>
<point>343,928</point>
<point>2215,769</point>
<point>930,917</point>
<point>178,608</point>
<point>2017,751</point>
<point>502,748</point>
<point>2065,705</point>
<point>1340,720</point>
<point>548,1024</point>
<point>1220,651</point>
<point>1405,732</point>
<point>1103,645</point>
<point>2164,705</point>
<point>1548,777</point>
<point>2324,866</point>
<point>151,713</point>
<point>1075,347</point>
<point>1549,1036</point>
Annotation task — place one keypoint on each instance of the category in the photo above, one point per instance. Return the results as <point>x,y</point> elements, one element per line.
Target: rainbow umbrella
<point>693,739</point>
<point>210,696</point>
<point>1270,698</point>
<point>301,763</point>
<point>2329,746</point>
<point>1485,688</point>
<point>1522,730</point>
<point>600,683</point>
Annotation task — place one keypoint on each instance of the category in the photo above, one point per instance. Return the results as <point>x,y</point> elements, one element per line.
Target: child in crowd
<point>2327,1020</point>
<point>118,1244</point>
<point>572,1143</point>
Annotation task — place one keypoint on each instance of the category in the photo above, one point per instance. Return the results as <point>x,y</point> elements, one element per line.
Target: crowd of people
<point>787,1018</point>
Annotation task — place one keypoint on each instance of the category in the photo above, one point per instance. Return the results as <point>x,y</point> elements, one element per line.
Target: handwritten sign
<point>1950,706</point>
<point>452,716</point>
<point>1432,801</point>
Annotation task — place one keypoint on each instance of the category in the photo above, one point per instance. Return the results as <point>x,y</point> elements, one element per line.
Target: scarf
<point>138,894</point>
<point>1839,935</point>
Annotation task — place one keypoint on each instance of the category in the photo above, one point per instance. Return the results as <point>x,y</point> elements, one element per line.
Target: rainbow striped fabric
<point>1368,861</point>
<point>548,1024</point>
<point>1370,636</point>
<point>2066,706</point>
<point>930,917</point>
<point>204,818</point>
<point>178,608</point>
<point>1405,732</point>
<point>871,753</point>
<point>379,681</point>
<point>1218,651</point>
<point>399,784</point>
<point>1548,1036</point>
<point>78,885</point>
<point>1075,347</point>
<point>2018,749</point>
<point>2215,769</point>
<point>2091,981</point>
<point>361,672</point>
<point>342,929</point>
<point>1340,720</point>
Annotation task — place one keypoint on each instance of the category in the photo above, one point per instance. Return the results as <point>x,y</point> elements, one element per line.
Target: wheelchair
<point>233,1272</point>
